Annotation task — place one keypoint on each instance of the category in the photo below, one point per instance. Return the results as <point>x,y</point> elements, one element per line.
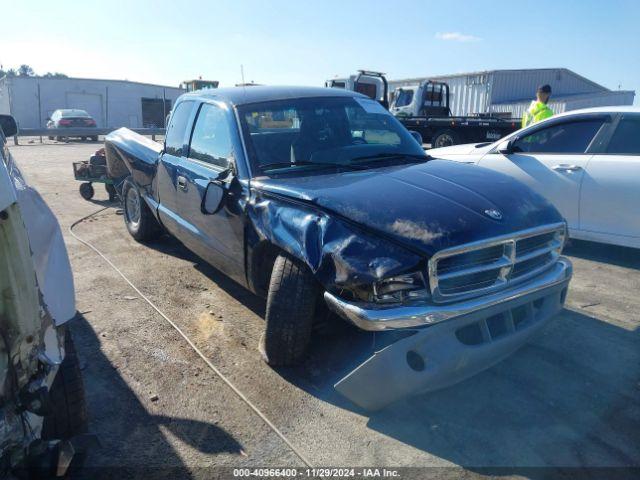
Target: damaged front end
<point>458,299</point>
<point>36,299</point>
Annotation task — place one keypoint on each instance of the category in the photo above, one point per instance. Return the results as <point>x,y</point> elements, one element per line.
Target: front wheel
<point>138,218</point>
<point>291,304</point>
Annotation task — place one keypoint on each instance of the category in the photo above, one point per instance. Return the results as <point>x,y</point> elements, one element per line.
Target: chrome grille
<point>483,267</point>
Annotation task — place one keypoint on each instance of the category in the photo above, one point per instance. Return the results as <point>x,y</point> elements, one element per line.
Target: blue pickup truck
<point>310,195</point>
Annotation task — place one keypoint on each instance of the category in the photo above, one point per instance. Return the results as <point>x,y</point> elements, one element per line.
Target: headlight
<point>410,286</point>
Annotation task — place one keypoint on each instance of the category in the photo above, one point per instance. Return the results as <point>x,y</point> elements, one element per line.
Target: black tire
<point>59,138</point>
<point>291,305</point>
<point>445,138</point>
<point>84,139</point>
<point>50,137</point>
<point>69,408</point>
<point>86,191</point>
<point>94,138</point>
<point>140,222</point>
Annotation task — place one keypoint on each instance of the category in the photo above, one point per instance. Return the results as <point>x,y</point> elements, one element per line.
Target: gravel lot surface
<point>568,399</point>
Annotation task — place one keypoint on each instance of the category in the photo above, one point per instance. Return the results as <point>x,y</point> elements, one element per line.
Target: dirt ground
<point>571,398</point>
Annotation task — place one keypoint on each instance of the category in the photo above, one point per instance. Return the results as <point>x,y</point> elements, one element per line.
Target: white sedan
<point>586,162</point>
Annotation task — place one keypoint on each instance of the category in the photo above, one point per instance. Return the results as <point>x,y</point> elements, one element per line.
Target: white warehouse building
<point>509,92</point>
<point>112,103</point>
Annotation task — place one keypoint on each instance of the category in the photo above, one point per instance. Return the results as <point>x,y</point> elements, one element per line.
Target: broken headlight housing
<point>401,288</point>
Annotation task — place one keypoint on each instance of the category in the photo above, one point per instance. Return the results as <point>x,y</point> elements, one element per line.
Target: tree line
<point>27,71</point>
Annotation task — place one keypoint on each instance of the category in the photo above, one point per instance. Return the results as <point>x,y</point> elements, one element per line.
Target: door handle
<point>565,167</point>
<point>182,182</point>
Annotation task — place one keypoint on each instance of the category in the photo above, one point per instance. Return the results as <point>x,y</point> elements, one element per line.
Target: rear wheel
<point>445,138</point>
<point>94,138</point>
<point>291,305</point>
<point>138,217</point>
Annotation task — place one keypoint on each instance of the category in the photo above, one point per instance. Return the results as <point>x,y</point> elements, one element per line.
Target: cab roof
<point>257,94</point>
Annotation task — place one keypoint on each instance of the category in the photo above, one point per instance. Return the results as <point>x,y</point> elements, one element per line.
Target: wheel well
<point>261,265</point>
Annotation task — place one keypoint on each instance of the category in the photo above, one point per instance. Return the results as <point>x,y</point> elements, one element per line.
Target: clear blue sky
<point>306,42</point>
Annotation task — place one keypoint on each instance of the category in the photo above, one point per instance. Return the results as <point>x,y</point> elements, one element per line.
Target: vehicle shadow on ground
<point>126,429</point>
<point>598,252</point>
<point>567,399</point>
<point>169,245</point>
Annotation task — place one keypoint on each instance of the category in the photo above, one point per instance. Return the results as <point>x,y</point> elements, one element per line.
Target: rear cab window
<point>175,136</point>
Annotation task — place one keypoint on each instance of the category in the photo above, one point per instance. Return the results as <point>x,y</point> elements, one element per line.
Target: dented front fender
<point>340,253</point>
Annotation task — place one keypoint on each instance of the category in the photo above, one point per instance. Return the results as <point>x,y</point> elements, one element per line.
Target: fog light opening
<point>415,361</point>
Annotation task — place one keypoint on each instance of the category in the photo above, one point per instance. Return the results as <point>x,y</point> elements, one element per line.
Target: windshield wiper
<point>270,166</point>
<point>380,157</point>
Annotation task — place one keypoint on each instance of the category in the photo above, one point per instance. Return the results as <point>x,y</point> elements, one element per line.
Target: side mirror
<point>8,125</point>
<point>216,191</point>
<point>213,198</point>
<point>505,147</point>
<point>416,136</point>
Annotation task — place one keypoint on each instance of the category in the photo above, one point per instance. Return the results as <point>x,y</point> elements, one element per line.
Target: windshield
<point>310,133</point>
<point>404,98</point>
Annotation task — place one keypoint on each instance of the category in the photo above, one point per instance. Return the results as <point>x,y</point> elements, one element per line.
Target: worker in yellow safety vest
<point>538,110</point>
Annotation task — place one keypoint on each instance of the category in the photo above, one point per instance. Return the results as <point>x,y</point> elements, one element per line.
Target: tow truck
<point>425,108</point>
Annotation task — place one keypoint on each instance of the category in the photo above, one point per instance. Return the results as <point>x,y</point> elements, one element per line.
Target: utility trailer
<point>425,109</point>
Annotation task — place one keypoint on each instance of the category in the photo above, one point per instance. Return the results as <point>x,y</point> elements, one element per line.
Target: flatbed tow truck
<point>425,109</point>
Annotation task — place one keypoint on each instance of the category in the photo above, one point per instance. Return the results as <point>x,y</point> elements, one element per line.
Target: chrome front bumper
<point>376,317</point>
<point>476,335</point>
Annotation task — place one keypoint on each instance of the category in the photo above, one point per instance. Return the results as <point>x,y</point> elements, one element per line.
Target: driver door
<point>209,195</point>
<point>551,159</point>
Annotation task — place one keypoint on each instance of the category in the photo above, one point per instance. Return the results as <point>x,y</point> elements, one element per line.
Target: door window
<point>569,137</point>
<point>211,140</point>
<point>626,139</point>
<point>405,97</point>
<point>174,140</point>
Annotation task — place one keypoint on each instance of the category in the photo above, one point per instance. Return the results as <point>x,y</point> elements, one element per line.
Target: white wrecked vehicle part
<point>48,250</point>
<point>38,413</point>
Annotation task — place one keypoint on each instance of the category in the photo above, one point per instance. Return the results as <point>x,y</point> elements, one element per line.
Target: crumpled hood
<point>465,149</point>
<point>428,206</point>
